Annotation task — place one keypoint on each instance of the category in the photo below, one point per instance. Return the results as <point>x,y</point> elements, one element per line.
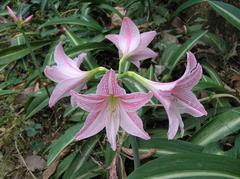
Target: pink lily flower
<point>16,18</point>
<point>177,97</point>
<point>112,108</point>
<point>66,74</point>
<point>131,43</point>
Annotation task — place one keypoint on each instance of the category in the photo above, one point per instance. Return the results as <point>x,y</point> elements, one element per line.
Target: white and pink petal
<point>112,126</point>
<point>109,86</point>
<point>142,54</point>
<point>187,102</point>
<point>94,123</point>
<point>129,37</point>
<point>132,124</point>
<point>174,119</point>
<point>133,101</point>
<point>63,89</point>
<point>146,38</point>
<point>88,102</point>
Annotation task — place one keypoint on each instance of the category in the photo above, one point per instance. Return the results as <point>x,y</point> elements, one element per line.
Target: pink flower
<point>66,74</point>
<point>131,43</point>
<point>111,107</point>
<point>176,97</point>
<point>18,19</point>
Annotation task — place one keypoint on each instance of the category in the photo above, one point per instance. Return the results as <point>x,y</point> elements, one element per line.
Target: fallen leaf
<point>35,162</point>
<point>25,93</point>
<point>2,77</point>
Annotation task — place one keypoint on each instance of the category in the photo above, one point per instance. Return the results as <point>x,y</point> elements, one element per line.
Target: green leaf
<point>186,5</point>
<point>182,50</point>
<point>150,73</point>
<point>7,26</point>
<point>7,92</point>
<point>89,170</point>
<point>80,160</point>
<point>208,83</point>
<point>11,54</point>
<point>63,166</point>
<point>73,21</point>
<point>37,104</point>
<point>43,4</point>
<point>165,146</point>
<point>219,127</point>
<point>212,73</point>
<point>89,63</point>
<point>87,47</point>
<point>74,39</point>
<point>189,166</point>
<point>112,9</point>
<point>213,40</point>
<point>168,54</point>
<point>62,142</point>
<point>228,11</point>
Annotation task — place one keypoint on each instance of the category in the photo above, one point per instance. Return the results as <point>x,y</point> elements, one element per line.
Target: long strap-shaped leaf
<point>181,51</point>
<point>89,63</point>
<point>80,160</point>
<point>11,54</point>
<point>193,166</point>
<point>92,24</point>
<point>219,127</point>
<point>57,147</point>
<point>165,147</point>
<point>229,12</point>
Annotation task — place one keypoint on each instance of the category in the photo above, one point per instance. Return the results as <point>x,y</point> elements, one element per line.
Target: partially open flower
<point>177,97</point>
<point>111,107</point>
<point>131,44</point>
<point>66,74</point>
<point>19,19</point>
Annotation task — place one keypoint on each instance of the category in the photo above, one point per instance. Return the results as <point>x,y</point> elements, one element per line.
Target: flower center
<point>113,103</point>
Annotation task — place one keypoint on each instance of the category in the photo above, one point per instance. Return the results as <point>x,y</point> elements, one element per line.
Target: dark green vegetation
<point>28,128</point>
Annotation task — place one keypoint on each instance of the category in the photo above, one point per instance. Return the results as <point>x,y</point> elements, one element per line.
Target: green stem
<point>123,65</point>
<point>97,70</point>
<point>134,145</point>
<point>135,76</point>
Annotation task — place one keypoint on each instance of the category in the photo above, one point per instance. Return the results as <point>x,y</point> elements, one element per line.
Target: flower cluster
<point>111,107</point>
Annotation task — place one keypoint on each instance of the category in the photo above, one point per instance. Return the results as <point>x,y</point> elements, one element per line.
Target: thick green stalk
<point>123,65</point>
<point>135,76</point>
<point>135,150</point>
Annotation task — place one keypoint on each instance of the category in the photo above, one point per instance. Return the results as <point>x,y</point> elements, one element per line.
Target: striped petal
<point>188,103</point>
<point>93,124</point>
<point>132,124</point>
<point>63,88</point>
<point>133,101</point>
<point>89,102</point>
<point>109,86</point>
<point>192,75</point>
<point>174,119</point>
<point>112,126</point>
